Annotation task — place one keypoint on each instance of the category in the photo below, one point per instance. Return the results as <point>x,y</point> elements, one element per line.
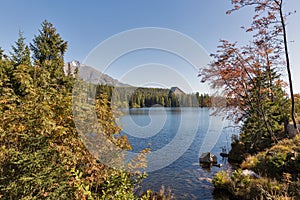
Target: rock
<point>247,172</point>
<point>208,158</point>
<point>224,154</point>
<point>291,131</point>
<point>237,154</point>
<point>218,165</point>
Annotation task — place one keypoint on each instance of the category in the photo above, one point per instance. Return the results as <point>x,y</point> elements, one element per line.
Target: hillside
<point>90,74</point>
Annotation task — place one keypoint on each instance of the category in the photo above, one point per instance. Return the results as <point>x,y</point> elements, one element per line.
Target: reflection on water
<point>184,176</point>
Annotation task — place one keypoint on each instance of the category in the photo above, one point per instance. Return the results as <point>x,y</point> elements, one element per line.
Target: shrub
<point>222,180</point>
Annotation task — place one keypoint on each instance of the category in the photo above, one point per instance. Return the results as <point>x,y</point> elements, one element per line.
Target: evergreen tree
<point>1,53</point>
<point>48,51</point>
<point>42,155</point>
<point>21,52</point>
<point>266,113</point>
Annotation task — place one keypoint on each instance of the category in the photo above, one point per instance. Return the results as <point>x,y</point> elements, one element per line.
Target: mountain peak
<point>90,74</point>
<point>176,90</point>
<point>75,63</point>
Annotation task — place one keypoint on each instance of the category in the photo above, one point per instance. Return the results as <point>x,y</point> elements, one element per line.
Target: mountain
<point>176,90</point>
<point>90,74</point>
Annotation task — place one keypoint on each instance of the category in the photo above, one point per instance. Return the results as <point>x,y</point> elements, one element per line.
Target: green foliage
<point>118,186</point>
<point>21,52</point>
<point>250,75</point>
<point>280,164</point>
<point>48,45</point>
<point>48,51</point>
<point>264,119</point>
<point>146,97</point>
<point>297,107</point>
<point>279,159</point>
<point>29,160</point>
<point>204,100</point>
<point>42,155</point>
<point>240,186</point>
<point>1,53</point>
<point>83,188</point>
<point>241,182</point>
<point>3,56</point>
<point>222,181</point>
<point>22,81</point>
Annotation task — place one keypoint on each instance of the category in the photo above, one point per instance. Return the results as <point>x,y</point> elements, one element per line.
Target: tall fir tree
<point>266,113</point>
<point>21,75</point>
<point>1,53</point>
<point>21,52</point>
<point>42,154</point>
<point>48,51</point>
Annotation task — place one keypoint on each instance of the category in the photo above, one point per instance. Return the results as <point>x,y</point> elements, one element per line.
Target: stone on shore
<point>208,158</point>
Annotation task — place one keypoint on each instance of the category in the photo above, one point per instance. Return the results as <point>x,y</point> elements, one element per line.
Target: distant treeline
<point>134,97</point>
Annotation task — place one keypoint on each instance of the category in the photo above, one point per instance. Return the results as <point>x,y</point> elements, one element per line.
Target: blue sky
<point>85,24</point>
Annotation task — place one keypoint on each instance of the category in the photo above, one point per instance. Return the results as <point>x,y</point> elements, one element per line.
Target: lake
<point>177,137</point>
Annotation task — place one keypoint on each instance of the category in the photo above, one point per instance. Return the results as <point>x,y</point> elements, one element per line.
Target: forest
<point>133,97</point>
<point>43,155</point>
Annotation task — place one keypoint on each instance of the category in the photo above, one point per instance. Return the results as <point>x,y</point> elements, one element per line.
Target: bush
<point>222,181</point>
<point>280,166</point>
<point>242,187</point>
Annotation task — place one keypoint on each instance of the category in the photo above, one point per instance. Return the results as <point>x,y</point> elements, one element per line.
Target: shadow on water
<point>185,177</point>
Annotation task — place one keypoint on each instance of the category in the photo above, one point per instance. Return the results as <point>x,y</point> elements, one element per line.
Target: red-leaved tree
<point>249,74</point>
<point>269,29</point>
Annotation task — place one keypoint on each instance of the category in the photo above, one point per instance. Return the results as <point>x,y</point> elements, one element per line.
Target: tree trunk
<point>288,64</point>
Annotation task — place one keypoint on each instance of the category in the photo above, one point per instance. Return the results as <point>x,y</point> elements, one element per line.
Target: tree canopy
<point>42,154</point>
<point>250,75</point>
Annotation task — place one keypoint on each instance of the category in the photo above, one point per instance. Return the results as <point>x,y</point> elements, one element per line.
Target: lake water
<point>177,137</point>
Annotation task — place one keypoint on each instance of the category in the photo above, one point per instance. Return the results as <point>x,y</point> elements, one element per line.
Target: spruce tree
<point>266,113</point>
<point>21,52</point>
<point>3,56</point>
<point>48,51</point>
<point>1,53</point>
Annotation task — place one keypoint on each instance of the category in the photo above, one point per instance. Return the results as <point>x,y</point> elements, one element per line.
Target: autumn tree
<point>249,74</point>
<point>253,90</point>
<point>269,29</point>
<point>42,154</point>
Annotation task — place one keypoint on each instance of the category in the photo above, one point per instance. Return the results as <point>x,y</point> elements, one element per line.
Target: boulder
<point>291,131</point>
<point>208,158</point>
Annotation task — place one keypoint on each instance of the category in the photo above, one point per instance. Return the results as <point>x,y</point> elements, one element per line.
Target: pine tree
<point>21,52</point>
